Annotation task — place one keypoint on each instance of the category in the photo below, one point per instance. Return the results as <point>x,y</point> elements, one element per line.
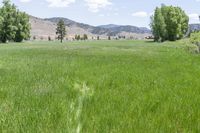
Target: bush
<point>195,38</point>
<point>192,48</point>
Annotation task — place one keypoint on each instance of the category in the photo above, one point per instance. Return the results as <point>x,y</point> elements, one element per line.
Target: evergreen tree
<point>60,30</point>
<point>85,37</point>
<point>49,38</point>
<point>78,37</point>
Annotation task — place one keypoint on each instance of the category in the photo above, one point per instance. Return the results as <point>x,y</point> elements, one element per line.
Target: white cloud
<point>25,1</point>
<point>141,14</point>
<point>60,3</point>
<point>194,16</point>
<point>95,5</point>
<point>101,15</point>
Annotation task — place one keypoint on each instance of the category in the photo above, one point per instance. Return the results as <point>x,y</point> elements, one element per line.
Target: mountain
<point>126,28</point>
<point>109,26</point>
<point>43,28</point>
<point>194,27</point>
<point>109,30</point>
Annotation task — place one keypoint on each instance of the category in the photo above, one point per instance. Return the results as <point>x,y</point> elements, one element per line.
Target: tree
<point>34,38</point>
<point>60,30</point>
<point>169,23</point>
<point>109,38</point>
<point>14,25</point>
<point>158,26</point>
<point>1,22</point>
<point>78,37</point>
<point>23,27</point>
<point>7,28</point>
<point>49,38</point>
<point>85,37</point>
<point>98,38</point>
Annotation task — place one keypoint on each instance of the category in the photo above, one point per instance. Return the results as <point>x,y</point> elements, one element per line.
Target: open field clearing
<point>99,87</point>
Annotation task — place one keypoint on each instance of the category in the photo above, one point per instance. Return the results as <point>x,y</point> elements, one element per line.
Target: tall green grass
<point>102,86</point>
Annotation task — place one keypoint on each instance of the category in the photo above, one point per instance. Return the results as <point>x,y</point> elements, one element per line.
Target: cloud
<point>25,1</point>
<point>95,5</point>
<point>60,3</point>
<point>140,14</point>
<point>194,16</point>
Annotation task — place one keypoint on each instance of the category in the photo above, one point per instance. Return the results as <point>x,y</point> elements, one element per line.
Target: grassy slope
<point>116,86</point>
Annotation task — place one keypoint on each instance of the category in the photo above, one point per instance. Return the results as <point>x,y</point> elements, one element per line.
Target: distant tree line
<point>14,25</point>
<point>169,23</point>
<point>79,37</point>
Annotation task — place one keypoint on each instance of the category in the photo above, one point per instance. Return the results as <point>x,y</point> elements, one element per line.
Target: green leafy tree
<point>14,25</point>
<point>7,28</point>
<point>23,27</point>
<point>158,25</point>
<point>169,23</point>
<point>1,23</point>
<point>60,30</point>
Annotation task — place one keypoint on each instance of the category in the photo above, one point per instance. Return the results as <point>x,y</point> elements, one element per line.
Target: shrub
<point>195,38</point>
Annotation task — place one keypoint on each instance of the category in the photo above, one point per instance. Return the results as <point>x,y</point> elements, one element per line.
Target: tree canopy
<point>169,23</point>
<point>14,25</point>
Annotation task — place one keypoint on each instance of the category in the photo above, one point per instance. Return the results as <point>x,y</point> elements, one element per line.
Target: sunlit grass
<point>99,86</point>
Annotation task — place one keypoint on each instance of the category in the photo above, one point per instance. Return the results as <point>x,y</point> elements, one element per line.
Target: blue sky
<point>99,12</point>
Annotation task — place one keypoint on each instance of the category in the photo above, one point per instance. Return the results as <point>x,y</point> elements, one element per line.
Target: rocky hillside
<point>109,30</point>
<point>43,28</point>
<point>116,29</point>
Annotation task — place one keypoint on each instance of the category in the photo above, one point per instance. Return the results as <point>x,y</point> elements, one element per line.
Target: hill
<point>194,27</point>
<point>108,30</point>
<point>42,28</point>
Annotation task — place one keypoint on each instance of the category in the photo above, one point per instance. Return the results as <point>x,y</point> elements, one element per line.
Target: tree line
<point>14,25</point>
<point>169,23</point>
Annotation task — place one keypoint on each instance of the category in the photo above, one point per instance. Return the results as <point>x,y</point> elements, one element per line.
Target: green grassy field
<point>99,87</point>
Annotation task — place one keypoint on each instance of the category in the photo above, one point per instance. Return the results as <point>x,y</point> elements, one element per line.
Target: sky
<point>101,12</point>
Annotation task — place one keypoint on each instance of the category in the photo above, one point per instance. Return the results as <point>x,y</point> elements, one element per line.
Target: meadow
<point>99,87</point>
